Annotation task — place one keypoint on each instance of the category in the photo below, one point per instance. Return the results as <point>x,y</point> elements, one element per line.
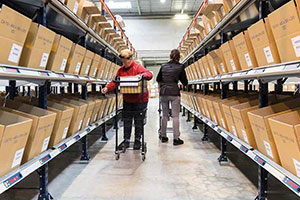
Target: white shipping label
<point>77,69</point>
<point>297,166</point>
<point>296,45</point>
<point>65,133</point>
<point>215,119</point>
<point>80,124</point>
<point>209,28</point>
<point>63,64</point>
<point>208,71</point>
<point>223,11</point>
<point>106,75</point>
<point>222,67</point>
<point>234,131</point>
<point>232,65</point>
<point>87,69</point>
<point>86,19</point>
<point>233,2</point>
<point>268,149</point>
<point>223,123</point>
<point>45,144</point>
<point>94,26</point>
<point>101,74</point>
<point>96,115</point>
<point>88,122</point>
<point>245,136</point>
<point>44,59</point>
<point>208,115</point>
<point>204,72</point>
<point>215,70</point>
<point>75,7</point>
<point>18,158</point>
<point>268,54</point>
<point>15,53</point>
<point>248,60</point>
<point>95,72</point>
<point>215,20</point>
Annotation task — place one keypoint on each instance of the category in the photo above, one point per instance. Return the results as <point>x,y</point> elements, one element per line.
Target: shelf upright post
<point>84,142</point>
<point>279,86</point>
<point>43,170</point>
<point>223,156</point>
<point>205,137</point>
<point>235,86</point>
<point>12,89</point>
<point>70,88</point>
<point>94,88</point>
<point>246,86</point>
<point>188,112</point>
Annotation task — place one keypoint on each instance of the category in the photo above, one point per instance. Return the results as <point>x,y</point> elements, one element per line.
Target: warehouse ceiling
<point>158,8</point>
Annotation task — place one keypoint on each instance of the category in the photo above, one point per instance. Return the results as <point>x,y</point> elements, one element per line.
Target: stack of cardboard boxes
<point>273,130</point>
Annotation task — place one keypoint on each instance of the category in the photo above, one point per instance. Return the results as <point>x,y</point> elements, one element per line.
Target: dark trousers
<point>133,111</point>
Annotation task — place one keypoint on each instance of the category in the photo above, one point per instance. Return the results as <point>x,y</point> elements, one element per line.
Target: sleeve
<point>159,76</point>
<point>183,78</point>
<point>112,85</point>
<point>145,72</point>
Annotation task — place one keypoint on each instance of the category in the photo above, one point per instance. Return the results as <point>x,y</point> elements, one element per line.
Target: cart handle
<point>117,79</point>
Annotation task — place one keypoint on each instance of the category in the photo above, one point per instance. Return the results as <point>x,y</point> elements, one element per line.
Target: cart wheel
<point>143,157</point>
<point>117,156</point>
<point>145,148</point>
<point>123,150</point>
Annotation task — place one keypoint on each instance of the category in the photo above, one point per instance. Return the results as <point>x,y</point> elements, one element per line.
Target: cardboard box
<point>59,55</point>
<point>41,130</point>
<point>263,41</point>
<point>75,59</point>
<point>208,26</point>
<point>107,69</point>
<point>285,26</point>
<point>14,132</point>
<point>86,64</point>
<point>230,57</point>
<point>197,68</point>
<point>95,66</point>
<point>73,5</point>
<point>202,69</point>
<point>80,109</point>
<point>87,8</point>
<point>214,63</point>
<point>103,106</point>
<point>285,130</point>
<point>108,103</point>
<point>259,120</point>
<point>14,29</point>
<point>245,51</point>
<point>206,66</point>
<point>106,65</point>
<point>37,47</point>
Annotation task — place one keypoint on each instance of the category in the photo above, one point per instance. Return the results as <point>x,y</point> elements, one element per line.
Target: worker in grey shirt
<point>168,77</point>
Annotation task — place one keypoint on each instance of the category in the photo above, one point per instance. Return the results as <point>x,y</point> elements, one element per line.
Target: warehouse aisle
<point>185,172</point>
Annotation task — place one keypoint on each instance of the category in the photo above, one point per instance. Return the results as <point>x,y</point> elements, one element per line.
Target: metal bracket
<point>223,156</point>
<point>205,137</point>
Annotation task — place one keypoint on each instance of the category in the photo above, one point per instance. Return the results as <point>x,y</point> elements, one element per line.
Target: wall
<point>155,37</point>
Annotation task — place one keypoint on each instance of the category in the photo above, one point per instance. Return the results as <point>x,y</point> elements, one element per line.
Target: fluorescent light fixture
<point>181,16</point>
<point>162,1</point>
<point>119,5</point>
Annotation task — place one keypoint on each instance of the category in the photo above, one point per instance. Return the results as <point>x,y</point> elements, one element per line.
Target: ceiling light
<point>162,1</point>
<point>181,16</point>
<point>119,5</point>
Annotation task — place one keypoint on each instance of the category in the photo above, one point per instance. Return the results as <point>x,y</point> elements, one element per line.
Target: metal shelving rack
<point>56,16</point>
<point>228,27</point>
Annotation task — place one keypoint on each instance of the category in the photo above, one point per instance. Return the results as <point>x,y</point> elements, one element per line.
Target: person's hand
<point>104,90</point>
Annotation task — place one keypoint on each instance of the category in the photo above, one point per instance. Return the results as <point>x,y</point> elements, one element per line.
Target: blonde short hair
<point>126,53</point>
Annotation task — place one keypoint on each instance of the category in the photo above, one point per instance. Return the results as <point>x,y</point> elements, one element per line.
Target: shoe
<point>126,144</point>
<point>163,139</point>
<point>137,145</point>
<point>178,142</point>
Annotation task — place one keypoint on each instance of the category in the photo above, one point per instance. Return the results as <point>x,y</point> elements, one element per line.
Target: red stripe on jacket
<point>133,70</point>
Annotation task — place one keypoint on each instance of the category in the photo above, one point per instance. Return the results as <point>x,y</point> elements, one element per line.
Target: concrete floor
<point>185,172</point>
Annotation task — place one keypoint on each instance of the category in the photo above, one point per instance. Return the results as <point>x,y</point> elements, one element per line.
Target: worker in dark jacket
<point>131,102</point>
<point>168,77</point>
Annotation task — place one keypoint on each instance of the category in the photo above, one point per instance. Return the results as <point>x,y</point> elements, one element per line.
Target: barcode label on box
<point>208,71</point>
<point>63,64</point>
<point>45,144</point>
<point>96,115</point>
<point>95,72</point>
<point>232,65</point>
<point>245,136</point>
<point>248,60</point>
<point>80,124</point>
<point>215,70</point>
<point>268,54</point>
<point>17,158</point>
<point>296,45</point>
<point>234,131</point>
<point>78,67</point>
<point>15,53</point>
<point>268,149</point>
<point>86,19</point>
<point>65,133</point>
<point>88,122</point>
<point>75,7</point>
<point>297,166</point>
<point>44,59</point>
<point>87,69</point>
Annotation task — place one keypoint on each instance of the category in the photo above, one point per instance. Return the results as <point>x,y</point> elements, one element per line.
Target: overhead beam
<point>139,7</point>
